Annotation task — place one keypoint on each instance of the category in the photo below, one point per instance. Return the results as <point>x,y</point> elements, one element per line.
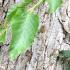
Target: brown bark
<point>53,35</point>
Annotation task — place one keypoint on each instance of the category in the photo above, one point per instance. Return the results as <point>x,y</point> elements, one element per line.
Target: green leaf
<point>53,5</point>
<point>64,54</point>
<point>26,2</point>
<point>12,11</point>
<point>24,28</point>
<point>2,35</point>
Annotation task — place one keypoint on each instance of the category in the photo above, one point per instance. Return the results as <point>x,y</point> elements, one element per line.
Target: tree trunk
<point>53,35</point>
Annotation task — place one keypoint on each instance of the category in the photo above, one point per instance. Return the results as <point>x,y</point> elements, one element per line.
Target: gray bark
<point>53,35</point>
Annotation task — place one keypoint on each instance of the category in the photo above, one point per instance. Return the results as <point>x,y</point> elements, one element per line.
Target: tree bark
<point>53,35</point>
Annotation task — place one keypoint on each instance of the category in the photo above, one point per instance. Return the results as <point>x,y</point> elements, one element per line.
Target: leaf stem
<point>36,5</point>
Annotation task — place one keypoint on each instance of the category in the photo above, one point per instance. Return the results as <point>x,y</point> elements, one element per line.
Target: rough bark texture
<point>53,35</point>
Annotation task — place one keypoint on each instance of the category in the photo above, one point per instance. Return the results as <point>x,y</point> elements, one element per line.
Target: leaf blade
<point>53,5</point>
<point>24,32</point>
<point>15,7</point>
